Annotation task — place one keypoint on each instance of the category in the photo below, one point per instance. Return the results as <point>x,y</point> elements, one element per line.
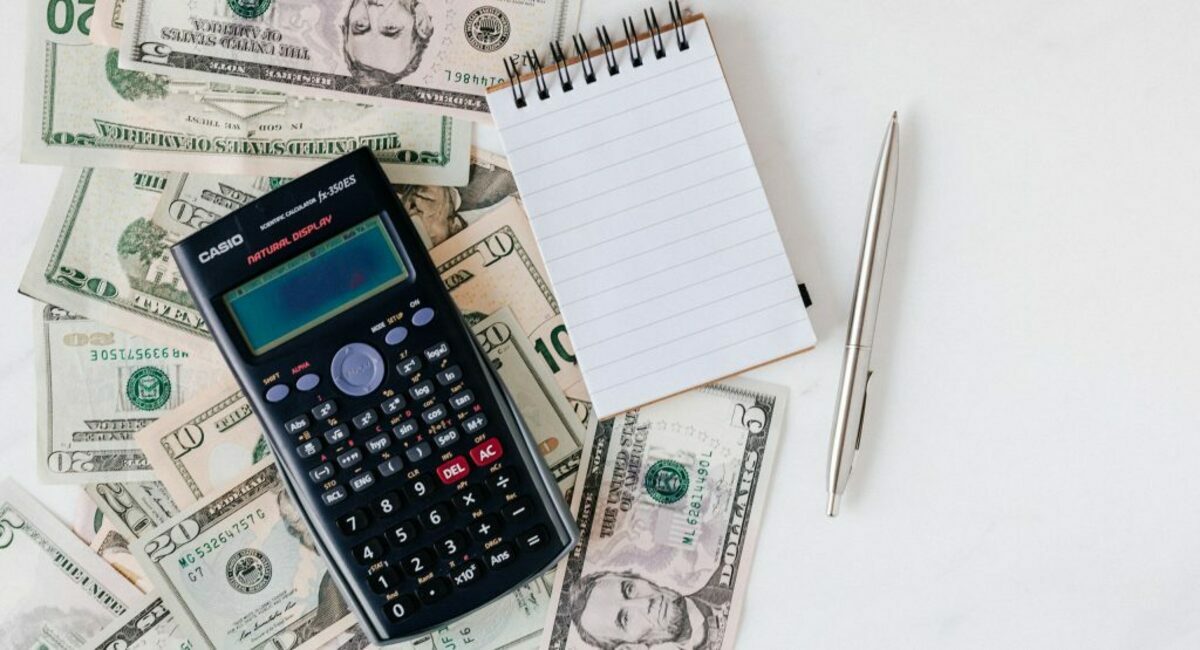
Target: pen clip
<point>862,416</point>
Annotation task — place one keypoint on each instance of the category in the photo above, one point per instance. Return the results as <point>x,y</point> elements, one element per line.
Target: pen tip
<point>831,508</point>
<point>894,117</point>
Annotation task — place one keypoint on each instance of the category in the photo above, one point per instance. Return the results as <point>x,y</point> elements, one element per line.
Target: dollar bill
<point>113,547</point>
<point>148,625</point>
<point>440,212</point>
<point>57,592</point>
<point>495,263</point>
<point>82,109</point>
<point>558,432</point>
<point>668,506</point>
<point>240,570</point>
<point>205,444</point>
<point>107,23</point>
<point>433,55</point>
<point>99,256</point>
<point>87,518</point>
<point>134,509</point>
<point>97,385</point>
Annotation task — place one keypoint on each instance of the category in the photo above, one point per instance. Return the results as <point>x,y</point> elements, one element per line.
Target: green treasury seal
<point>248,571</point>
<point>249,8</point>
<point>666,481</point>
<point>148,388</point>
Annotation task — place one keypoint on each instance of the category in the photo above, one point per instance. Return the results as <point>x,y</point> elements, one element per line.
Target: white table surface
<point>1031,471</point>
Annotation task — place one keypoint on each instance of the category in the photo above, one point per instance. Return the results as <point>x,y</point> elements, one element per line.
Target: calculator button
<point>436,517</point>
<point>419,488</point>
<point>437,352</point>
<point>532,539</point>
<point>357,369</point>
<point>469,498</point>
<point>401,608</point>
<point>324,410</point>
<point>384,580</point>
<point>417,452</point>
<point>445,438</point>
<point>388,504</point>
<point>484,528</point>
<point>434,413</point>
<point>467,574</point>
<point>334,496</point>
<point>474,424</point>
<point>350,458</point>
<point>503,480</point>
<point>517,509</point>
<point>354,523</point>
<point>449,375</point>
<point>403,533</point>
<point>277,392</point>
<point>423,316</point>
<point>405,429</point>
<point>486,452</point>
<point>392,405</point>
<point>365,419</point>
<point>360,482</point>
<point>296,424</point>
<point>307,382</point>
<point>389,466</point>
<point>408,366</point>
<point>462,400</point>
<point>501,555</point>
<point>421,390</point>
<point>337,434</point>
<point>396,335</point>
<point>369,551</point>
<point>321,473</point>
<point>451,545</point>
<point>378,443</point>
<point>434,590</point>
<point>309,448</point>
<point>419,563</point>
<point>453,470</point>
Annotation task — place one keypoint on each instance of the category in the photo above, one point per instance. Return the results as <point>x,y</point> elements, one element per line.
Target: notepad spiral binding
<point>583,54</point>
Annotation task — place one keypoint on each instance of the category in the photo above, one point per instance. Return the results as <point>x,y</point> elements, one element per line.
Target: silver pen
<point>856,367</point>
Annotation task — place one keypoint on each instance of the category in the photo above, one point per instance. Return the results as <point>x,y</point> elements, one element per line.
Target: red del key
<point>487,452</point>
<point>453,470</point>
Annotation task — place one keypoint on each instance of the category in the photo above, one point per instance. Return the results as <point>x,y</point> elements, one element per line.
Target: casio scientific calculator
<point>407,458</point>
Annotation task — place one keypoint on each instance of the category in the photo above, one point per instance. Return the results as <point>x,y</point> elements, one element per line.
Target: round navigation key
<point>307,382</point>
<point>357,369</point>
<point>277,392</point>
<point>396,335</point>
<point>423,316</point>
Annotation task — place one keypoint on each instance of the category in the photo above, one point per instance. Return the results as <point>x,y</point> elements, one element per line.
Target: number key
<point>452,545</point>
<point>403,533</point>
<point>420,562</point>
<point>401,608</point>
<point>436,517</point>
<point>419,488</point>
<point>354,523</point>
<point>370,551</point>
<point>388,504</point>
<point>384,580</point>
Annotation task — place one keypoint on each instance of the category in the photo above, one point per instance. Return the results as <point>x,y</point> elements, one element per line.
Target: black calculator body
<point>426,494</point>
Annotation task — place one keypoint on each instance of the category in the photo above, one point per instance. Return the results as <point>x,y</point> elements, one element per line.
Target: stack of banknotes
<point>166,116</point>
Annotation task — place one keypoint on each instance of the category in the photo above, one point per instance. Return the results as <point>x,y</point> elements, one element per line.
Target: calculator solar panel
<point>406,457</point>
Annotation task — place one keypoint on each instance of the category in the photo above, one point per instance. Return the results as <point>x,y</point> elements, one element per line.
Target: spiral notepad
<point>649,212</point>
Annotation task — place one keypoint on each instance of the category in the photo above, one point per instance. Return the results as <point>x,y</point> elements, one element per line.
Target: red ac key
<point>453,470</point>
<point>487,452</point>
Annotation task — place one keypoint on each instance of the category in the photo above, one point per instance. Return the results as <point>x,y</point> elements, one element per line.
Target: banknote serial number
<point>471,78</point>
<point>231,532</point>
<point>137,354</point>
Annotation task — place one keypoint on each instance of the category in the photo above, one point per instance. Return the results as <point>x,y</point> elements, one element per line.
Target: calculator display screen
<point>308,290</point>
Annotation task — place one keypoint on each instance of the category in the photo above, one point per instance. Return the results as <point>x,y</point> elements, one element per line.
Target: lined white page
<point>652,220</point>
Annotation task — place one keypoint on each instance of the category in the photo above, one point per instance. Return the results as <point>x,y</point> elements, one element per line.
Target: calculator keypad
<point>405,458</point>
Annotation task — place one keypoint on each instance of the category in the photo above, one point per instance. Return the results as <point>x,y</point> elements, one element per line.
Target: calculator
<point>423,488</point>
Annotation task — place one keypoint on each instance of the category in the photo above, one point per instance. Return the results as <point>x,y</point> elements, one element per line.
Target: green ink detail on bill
<point>132,85</point>
<point>666,481</point>
<point>249,8</point>
<point>261,450</point>
<point>148,388</point>
<point>275,182</point>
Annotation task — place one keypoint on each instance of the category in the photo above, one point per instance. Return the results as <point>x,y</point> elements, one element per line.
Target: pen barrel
<point>876,234</point>
<point>848,416</point>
